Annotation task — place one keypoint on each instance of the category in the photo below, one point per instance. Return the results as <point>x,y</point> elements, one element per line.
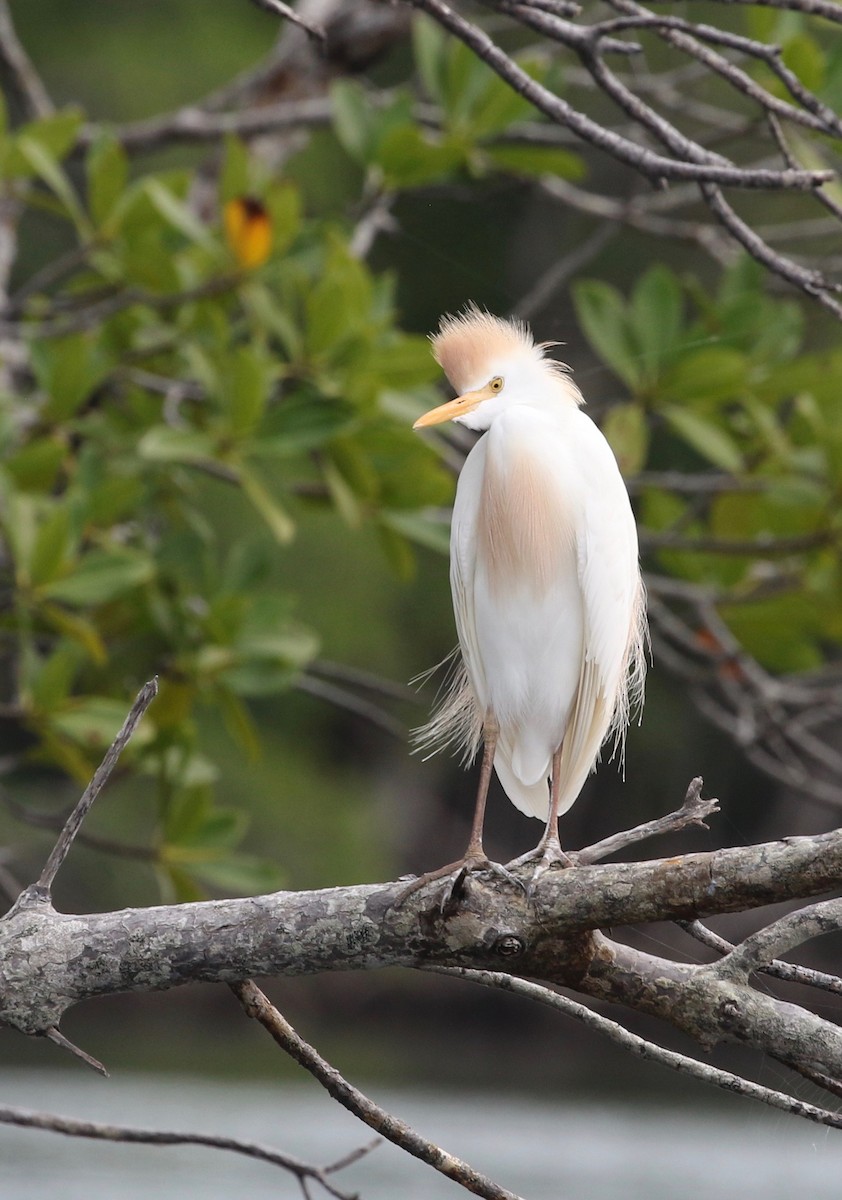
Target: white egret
<point>547,593</point>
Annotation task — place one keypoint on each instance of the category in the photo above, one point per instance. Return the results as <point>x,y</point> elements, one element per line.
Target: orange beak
<point>452,408</point>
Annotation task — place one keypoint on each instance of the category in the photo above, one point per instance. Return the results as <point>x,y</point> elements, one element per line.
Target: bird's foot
<point>547,856</point>
<point>455,874</point>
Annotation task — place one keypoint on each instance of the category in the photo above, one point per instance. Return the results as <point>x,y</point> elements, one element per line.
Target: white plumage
<point>547,594</point>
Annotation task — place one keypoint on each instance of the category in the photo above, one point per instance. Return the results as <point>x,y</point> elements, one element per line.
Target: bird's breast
<point>526,517</point>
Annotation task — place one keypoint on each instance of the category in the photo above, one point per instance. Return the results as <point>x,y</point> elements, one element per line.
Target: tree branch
<point>70,1127</point>
<point>24,79</point>
<point>74,822</point>
<point>392,1128</point>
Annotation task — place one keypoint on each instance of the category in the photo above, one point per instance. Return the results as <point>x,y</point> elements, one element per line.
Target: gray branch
<point>50,961</point>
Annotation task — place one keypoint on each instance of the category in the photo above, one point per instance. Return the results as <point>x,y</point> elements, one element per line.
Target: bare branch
<point>342,698</point>
<point>641,1048</point>
<point>782,935</point>
<point>56,1036</point>
<point>392,1128</point>
<point>23,77</point>
<point>692,812</point>
<point>811,282</point>
<point>289,14</point>
<point>74,822</point>
<point>52,1123</point>
<point>791,972</point>
<point>655,166</point>
<point>197,124</point>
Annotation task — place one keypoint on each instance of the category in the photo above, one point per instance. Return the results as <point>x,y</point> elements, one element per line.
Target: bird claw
<point>454,876</point>
<point>546,857</point>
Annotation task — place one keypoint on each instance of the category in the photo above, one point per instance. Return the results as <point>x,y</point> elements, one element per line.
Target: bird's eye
<point>496,384</point>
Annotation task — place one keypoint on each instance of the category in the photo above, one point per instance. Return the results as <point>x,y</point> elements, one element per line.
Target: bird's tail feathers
<point>629,703</point>
<point>533,799</point>
<point>456,721</point>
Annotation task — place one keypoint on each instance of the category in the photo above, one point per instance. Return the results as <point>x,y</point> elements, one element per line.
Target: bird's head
<point>494,364</point>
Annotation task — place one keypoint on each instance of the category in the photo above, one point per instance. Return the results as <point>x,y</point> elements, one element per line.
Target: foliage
<point>159,368</point>
<point>724,383</point>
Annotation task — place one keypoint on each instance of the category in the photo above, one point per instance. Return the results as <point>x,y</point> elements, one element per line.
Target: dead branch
<point>97,1131</point>
<point>385,1124</point>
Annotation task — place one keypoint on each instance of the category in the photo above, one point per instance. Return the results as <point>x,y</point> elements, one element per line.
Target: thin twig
<point>692,812</point>
<point>638,1046</point>
<point>655,166</point>
<point>344,699</point>
<point>74,822</point>
<point>289,14</point>
<point>52,1123</point>
<point>25,80</point>
<point>791,972</point>
<point>394,1130</point>
<point>760,948</point>
<point>55,1035</point>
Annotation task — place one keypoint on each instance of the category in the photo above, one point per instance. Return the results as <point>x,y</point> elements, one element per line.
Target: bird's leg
<point>490,733</point>
<point>474,858</point>
<point>550,843</point>
<point>548,852</point>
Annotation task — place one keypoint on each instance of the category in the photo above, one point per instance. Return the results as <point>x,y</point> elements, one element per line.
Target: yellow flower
<point>248,229</point>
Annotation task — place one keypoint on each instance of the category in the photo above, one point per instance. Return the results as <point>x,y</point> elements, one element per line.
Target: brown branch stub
<point>74,822</point>
<point>56,1036</point>
<point>692,812</point>
<point>258,1007</point>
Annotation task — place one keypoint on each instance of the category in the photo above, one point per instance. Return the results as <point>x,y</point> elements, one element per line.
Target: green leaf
<point>342,495</point>
<point>536,161</point>
<point>241,874</point>
<point>627,433</point>
<point>429,45</point>
<point>101,576</point>
<point>302,421</point>
<point>51,546</point>
<point>714,374</point>
<point>107,168</point>
<point>803,55</point>
<point>94,722</point>
<point>234,178</point>
<point>339,304</point>
<point>55,678</point>
<point>68,369</point>
<point>55,135</point>
<point>219,829</point>
<point>46,167</point>
<point>601,312</point>
<point>428,531</point>
<point>245,380</point>
<point>176,213</point>
<point>283,203</point>
<point>278,520</point>
<point>656,314</point>
<point>75,627</point>
<point>398,551</point>
<point>409,158</point>
<point>163,443</point>
<point>36,465</point>
<point>353,119</point>
<point>707,437</point>
<point>238,721</point>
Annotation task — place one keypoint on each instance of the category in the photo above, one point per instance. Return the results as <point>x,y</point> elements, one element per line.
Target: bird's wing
<point>457,720</point>
<point>463,557</point>
<point>609,578</point>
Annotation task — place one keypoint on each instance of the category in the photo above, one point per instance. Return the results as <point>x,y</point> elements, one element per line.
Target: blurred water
<point>543,1151</point>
